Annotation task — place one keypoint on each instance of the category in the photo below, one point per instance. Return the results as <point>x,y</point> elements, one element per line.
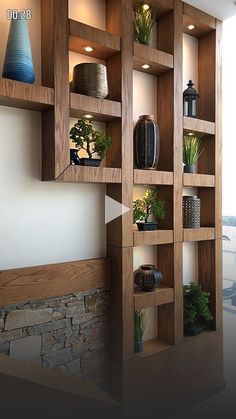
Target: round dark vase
<point>138,347</point>
<point>189,168</point>
<point>146,143</point>
<point>90,79</point>
<point>74,158</point>
<point>147,278</point>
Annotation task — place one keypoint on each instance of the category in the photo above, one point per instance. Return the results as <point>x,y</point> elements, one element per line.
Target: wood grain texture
<point>198,234</point>
<point>218,137</point>
<point>207,197</point>
<point>205,164</point>
<point>153,177</point>
<point>159,61</point>
<point>55,59</point>
<point>160,6</point>
<point>39,282</point>
<point>207,76</point>
<point>105,44</point>
<point>101,109</point>
<point>178,121</point>
<point>196,180</point>
<point>165,33</point>
<point>165,89</point>
<point>203,22</point>
<point>162,295</point>
<point>79,174</point>
<point>148,238</point>
<point>199,126</point>
<point>152,347</point>
<point>16,94</point>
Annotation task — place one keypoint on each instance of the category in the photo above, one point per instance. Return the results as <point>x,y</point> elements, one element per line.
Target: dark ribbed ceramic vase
<point>147,278</point>
<point>146,143</point>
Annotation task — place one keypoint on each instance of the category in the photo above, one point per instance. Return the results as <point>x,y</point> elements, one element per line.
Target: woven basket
<point>191,212</point>
<point>90,79</point>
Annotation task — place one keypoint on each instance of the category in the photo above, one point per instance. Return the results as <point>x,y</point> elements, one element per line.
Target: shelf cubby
<point>101,109</point>
<point>198,180</point>
<point>203,22</point>
<point>16,94</point>
<point>79,174</point>
<point>162,295</point>
<point>159,61</point>
<point>198,234</point>
<point>149,238</point>
<point>105,44</point>
<point>153,346</point>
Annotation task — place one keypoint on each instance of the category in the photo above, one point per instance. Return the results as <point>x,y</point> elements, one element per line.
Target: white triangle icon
<point>113,209</point>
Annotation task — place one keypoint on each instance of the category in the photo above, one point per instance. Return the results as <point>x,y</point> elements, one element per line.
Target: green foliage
<point>150,204</point>
<point>191,149</point>
<point>196,305</point>
<point>140,322</point>
<point>143,24</point>
<point>87,138</point>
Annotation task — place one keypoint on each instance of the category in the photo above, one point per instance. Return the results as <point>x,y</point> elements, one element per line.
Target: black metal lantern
<point>191,100</point>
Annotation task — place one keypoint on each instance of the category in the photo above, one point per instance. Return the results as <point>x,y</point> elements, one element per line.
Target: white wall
<point>41,222</point>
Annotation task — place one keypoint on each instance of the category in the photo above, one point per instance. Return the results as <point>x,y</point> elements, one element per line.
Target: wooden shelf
<point>149,238</point>
<point>159,61</point>
<point>162,295</point>
<point>101,109</point>
<point>199,126</point>
<point>105,44</point>
<point>16,94</point>
<point>203,22</point>
<point>153,177</point>
<point>198,180</point>
<point>79,174</point>
<point>199,234</point>
<point>161,7</point>
<point>152,347</point>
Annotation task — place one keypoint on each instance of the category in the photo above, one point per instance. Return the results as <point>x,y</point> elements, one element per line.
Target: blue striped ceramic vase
<point>18,63</point>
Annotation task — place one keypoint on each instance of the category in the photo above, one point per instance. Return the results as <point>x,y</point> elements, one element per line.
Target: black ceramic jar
<point>147,278</point>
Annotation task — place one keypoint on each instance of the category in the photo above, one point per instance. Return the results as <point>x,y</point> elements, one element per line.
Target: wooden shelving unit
<point>162,295</point>
<point>115,46</point>
<point>149,238</point>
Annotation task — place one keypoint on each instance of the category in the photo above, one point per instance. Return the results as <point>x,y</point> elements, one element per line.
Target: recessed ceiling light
<point>88,49</point>
<point>87,116</point>
<point>191,134</point>
<point>145,7</point>
<point>145,66</point>
<point>191,27</point>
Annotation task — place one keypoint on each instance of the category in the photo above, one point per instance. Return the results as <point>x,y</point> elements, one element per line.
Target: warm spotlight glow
<point>145,7</point>
<point>88,49</point>
<point>145,66</point>
<point>87,116</point>
<point>191,134</point>
<point>191,27</point>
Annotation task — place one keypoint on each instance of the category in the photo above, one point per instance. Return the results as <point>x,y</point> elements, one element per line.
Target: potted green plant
<point>143,25</point>
<point>197,314</point>
<point>90,140</point>
<point>143,208</point>
<point>140,322</point>
<point>191,153</point>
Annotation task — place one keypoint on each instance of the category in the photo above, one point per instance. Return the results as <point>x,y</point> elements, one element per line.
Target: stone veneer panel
<point>70,332</point>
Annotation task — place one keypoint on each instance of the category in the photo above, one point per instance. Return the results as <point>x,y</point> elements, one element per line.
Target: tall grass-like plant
<point>143,25</point>
<point>191,149</point>
<point>140,322</point>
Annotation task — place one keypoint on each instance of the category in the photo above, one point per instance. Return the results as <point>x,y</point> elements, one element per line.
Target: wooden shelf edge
<point>152,347</point>
<point>101,109</point>
<point>153,177</point>
<point>198,180</point>
<point>105,44</point>
<point>162,295</point>
<point>198,234</point>
<point>25,96</point>
<point>148,238</point>
<point>80,174</point>
<point>199,126</point>
<point>203,22</point>
<point>159,61</point>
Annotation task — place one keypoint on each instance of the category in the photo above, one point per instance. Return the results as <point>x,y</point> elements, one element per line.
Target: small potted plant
<point>90,140</point>
<point>197,314</point>
<point>191,153</point>
<point>143,26</point>
<point>143,208</point>
<point>140,322</point>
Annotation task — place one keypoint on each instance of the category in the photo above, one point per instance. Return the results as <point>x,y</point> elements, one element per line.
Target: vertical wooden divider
<point>120,231</point>
<point>55,73</point>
